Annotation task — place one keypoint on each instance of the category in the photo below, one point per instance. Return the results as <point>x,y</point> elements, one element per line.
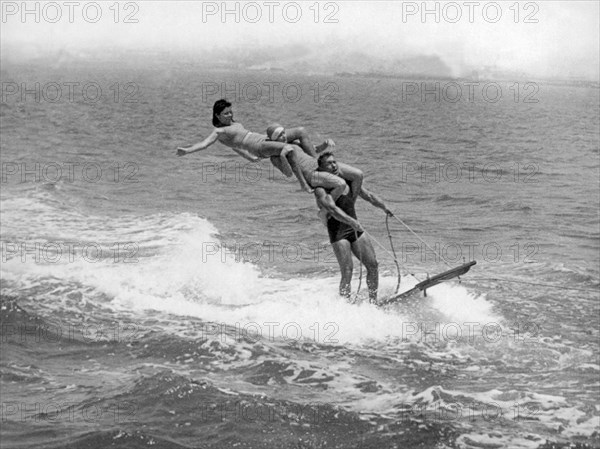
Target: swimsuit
<point>252,142</point>
<point>236,136</point>
<point>341,231</point>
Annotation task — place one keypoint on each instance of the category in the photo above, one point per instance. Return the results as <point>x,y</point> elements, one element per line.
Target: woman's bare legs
<point>353,175</point>
<point>334,185</point>
<point>290,151</point>
<point>286,152</point>
<point>301,135</point>
<point>282,165</point>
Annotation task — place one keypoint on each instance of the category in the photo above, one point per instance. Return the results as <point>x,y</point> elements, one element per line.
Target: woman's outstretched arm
<point>212,138</point>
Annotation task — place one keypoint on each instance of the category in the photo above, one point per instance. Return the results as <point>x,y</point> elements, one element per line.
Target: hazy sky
<point>541,38</point>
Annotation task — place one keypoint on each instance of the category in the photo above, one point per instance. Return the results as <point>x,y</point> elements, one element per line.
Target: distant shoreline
<point>54,62</point>
<point>424,77</point>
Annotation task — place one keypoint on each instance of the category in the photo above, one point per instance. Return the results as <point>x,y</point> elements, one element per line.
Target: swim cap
<point>274,131</point>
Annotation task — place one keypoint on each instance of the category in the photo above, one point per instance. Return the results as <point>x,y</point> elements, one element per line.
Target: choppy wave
<point>198,327</point>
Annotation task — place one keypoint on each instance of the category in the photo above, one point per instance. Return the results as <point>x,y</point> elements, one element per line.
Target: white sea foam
<point>180,269</point>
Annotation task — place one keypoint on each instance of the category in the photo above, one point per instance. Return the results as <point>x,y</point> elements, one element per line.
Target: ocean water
<point>192,302</point>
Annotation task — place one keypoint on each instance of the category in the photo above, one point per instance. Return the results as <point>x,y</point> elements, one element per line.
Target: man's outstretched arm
<point>374,200</point>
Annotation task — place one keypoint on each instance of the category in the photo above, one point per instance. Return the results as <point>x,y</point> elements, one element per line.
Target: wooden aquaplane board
<point>427,283</point>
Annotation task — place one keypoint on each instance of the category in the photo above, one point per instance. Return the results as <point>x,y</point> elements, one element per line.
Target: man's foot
<point>356,300</point>
<point>328,144</point>
<point>373,297</point>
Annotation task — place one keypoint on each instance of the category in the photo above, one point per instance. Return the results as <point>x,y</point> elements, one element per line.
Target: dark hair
<point>323,156</point>
<point>217,109</point>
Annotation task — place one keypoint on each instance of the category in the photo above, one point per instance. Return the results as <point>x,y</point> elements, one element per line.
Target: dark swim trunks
<point>342,231</point>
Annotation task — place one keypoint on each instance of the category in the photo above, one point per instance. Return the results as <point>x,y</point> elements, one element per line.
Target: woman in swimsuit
<point>253,146</point>
<point>249,145</point>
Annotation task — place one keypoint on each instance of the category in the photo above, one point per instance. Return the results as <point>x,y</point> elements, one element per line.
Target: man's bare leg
<point>364,251</point>
<point>343,253</point>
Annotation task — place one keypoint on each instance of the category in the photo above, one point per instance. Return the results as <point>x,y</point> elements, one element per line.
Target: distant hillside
<point>307,60</point>
<point>331,61</point>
